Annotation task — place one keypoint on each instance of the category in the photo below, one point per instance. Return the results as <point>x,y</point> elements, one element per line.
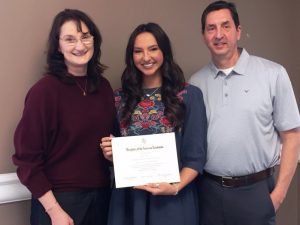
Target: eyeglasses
<point>85,39</point>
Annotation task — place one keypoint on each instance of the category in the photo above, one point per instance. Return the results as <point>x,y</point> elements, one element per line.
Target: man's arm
<point>288,164</point>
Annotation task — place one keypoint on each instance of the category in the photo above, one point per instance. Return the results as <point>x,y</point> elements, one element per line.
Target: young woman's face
<point>147,55</point>
<point>77,47</point>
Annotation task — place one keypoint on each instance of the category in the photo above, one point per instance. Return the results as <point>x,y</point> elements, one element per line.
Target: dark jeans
<point>247,205</point>
<point>88,207</point>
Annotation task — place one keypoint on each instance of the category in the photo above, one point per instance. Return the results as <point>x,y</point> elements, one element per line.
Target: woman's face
<point>147,56</point>
<point>76,46</point>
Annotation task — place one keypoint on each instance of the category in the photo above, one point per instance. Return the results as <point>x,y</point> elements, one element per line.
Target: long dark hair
<point>172,77</point>
<point>218,5</point>
<point>55,59</point>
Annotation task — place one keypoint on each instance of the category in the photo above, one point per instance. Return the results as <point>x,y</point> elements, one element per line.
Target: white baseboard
<point>11,190</point>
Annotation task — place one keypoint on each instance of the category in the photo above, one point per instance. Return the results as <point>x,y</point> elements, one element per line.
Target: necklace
<point>81,88</point>
<point>150,94</point>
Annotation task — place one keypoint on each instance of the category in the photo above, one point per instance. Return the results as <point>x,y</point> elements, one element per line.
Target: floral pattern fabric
<point>148,116</point>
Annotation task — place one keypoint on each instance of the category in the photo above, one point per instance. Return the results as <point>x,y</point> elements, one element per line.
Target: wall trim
<point>11,190</point>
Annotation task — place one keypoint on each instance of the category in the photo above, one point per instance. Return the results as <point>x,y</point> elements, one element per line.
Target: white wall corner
<point>11,190</point>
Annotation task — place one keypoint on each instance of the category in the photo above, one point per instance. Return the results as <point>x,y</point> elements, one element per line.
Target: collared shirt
<point>245,111</point>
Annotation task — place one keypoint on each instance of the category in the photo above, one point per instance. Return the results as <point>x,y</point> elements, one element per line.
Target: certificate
<point>144,159</point>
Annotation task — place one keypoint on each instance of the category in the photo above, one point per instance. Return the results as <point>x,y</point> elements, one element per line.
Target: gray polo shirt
<point>245,111</point>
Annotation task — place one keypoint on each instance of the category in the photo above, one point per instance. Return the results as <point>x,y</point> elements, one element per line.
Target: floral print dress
<point>137,207</point>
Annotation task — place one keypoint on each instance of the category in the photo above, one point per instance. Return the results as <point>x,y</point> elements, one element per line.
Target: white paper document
<point>144,159</point>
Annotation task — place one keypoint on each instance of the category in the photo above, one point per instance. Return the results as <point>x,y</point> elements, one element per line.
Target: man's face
<point>221,36</point>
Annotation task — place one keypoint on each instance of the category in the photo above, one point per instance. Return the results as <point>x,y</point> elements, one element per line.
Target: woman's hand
<point>160,188</point>
<point>59,216</point>
<point>186,176</point>
<point>105,145</point>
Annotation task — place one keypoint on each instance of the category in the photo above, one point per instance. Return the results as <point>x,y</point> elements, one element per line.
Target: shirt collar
<point>238,69</point>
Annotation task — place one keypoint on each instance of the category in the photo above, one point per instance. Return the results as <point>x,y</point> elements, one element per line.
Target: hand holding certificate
<point>144,159</point>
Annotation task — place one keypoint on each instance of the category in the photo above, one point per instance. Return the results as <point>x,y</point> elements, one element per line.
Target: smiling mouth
<point>80,53</point>
<point>219,44</point>
<point>148,65</point>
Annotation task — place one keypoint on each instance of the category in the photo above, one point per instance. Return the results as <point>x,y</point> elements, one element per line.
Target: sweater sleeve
<point>193,145</point>
<point>33,137</point>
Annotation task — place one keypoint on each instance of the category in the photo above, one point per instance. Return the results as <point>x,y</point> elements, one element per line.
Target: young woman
<point>65,113</point>
<point>155,99</point>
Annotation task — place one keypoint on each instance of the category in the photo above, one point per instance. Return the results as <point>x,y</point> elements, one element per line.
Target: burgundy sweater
<point>57,139</point>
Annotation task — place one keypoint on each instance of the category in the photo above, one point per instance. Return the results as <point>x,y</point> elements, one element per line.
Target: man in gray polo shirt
<point>252,118</point>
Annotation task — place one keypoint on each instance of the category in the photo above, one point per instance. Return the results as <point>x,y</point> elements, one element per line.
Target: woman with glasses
<point>155,99</point>
<point>65,113</point>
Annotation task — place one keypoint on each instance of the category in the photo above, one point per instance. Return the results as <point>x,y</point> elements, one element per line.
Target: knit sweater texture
<point>57,138</point>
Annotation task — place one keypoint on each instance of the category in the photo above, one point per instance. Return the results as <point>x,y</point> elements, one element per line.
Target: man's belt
<point>239,181</point>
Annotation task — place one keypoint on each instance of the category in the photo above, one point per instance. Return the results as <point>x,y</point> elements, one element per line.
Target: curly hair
<point>55,59</point>
<point>173,80</point>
